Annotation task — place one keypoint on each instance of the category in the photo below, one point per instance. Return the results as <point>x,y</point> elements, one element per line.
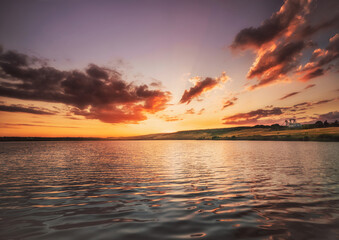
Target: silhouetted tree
<point>319,124</point>
<point>336,123</point>
<point>326,124</point>
<point>275,126</point>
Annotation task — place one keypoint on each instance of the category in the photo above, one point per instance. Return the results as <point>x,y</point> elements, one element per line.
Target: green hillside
<point>249,133</point>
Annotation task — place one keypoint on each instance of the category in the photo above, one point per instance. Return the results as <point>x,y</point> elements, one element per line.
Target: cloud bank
<point>279,42</point>
<point>96,93</point>
<point>266,116</point>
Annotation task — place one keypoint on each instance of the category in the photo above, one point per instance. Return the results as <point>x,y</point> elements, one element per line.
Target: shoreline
<point>262,133</point>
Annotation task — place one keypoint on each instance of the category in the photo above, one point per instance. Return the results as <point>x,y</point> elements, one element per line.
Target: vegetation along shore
<point>320,131</point>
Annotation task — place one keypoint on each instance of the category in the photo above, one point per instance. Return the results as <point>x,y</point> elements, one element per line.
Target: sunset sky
<point>122,68</point>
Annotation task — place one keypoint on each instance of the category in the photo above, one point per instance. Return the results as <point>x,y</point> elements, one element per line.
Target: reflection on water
<point>169,190</point>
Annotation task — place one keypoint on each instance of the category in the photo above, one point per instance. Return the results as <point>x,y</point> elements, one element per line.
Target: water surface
<point>169,190</point>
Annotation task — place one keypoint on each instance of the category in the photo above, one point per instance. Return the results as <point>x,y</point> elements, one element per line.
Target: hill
<point>248,133</point>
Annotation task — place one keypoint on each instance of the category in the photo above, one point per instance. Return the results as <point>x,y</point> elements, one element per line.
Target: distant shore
<point>266,133</point>
<point>250,133</point>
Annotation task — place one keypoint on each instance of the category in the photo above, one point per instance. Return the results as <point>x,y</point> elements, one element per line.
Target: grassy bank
<point>237,133</point>
<point>249,133</point>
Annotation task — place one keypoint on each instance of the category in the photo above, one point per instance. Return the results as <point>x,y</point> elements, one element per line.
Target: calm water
<point>169,190</point>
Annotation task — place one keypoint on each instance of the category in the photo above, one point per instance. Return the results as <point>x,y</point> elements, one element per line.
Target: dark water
<point>169,190</point>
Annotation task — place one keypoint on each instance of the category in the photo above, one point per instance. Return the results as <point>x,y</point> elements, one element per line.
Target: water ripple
<point>169,190</point>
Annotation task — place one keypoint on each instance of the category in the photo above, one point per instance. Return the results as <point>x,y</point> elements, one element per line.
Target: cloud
<point>168,118</point>
<point>289,95</point>
<point>18,125</point>
<point>320,58</point>
<point>156,83</point>
<point>252,117</point>
<point>190,111</point>
<point>309,86</point>
<point>266,116</point>
<point>201,86</point>
<point>272,66</point>
<point>323,101</point>
<point>295,93</point>
<point>201,111</point>
<point>281,39</point>
<point>229,103</point>
<point>309,30</point>
<point>279,24</point>
<point>19,108</point>
<point>97,72</point>
<point>96,93</point>
<point>330,116</point>
<point>297,108</point>
<point>312,74</point>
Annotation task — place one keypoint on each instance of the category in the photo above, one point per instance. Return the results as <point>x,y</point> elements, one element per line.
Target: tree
<point>326,124</point>
<point>319,124</point>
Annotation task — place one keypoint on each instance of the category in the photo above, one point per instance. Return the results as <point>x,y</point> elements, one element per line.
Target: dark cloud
<point>279,57</point>
<point>22,109</point>
<point>280,23</point>
<point>97,72</point>
<point>252,117</point>
<point>274,65</point>
<point>312,74</point>
<point>324,101</point>
<point>98,93</point>
<point>280,40</point>
<point>330,116</point>
<point>260,116</point>
<point>229,102</point>
<point>309,29</point>
<point>301,104</point>
<point>200,87</point>
<point>156,83</point>
<point>308,105</point>
<point>320,58</point>
<point>18,125</point>
<point>295,93</point>
<point>309,86</point>
<point>289,95</point>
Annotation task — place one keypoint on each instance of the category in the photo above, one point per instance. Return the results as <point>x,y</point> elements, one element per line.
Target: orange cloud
<point>251,117</point>
<point>320,59</point>
<point>96,93</point>
<point>259,116</point>
<point>168,118</point>
<point>201,86</point>
<point>280,40</point>
<point>230,102</point>
<point>201,111</point>
<point>309,86</point>
<point>295,93</point>
<point>289,95</point>
<point>281,23</point>
<point>25,109</point>
<point>190,111</point>
<point>273,65</point>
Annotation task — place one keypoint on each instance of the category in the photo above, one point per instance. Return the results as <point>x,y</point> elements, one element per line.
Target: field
<point>249,133</point>
<point>236,133</point>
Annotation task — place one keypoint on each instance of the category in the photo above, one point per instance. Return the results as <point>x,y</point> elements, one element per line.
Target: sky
<point>81,68</point>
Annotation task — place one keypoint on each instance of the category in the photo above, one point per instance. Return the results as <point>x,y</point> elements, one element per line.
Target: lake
<point>169,190</point>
